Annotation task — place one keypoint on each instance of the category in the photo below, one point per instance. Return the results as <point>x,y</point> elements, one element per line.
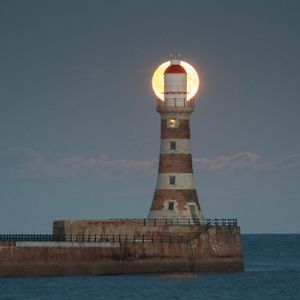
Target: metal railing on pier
<point>183,222</point>
<point>163,238</point>
<point>90,238</point>
<point>26,237</point>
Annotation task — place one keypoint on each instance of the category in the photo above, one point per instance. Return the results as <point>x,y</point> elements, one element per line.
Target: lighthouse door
<point>193,212</point>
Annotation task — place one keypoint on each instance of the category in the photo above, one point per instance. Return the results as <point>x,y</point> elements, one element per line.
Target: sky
<point>79,131</point>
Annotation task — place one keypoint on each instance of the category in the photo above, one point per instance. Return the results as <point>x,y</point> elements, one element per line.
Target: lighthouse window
<point>171,206</point>
<point>173,145</point>
<point>172,180</point>
<point>172,123</point>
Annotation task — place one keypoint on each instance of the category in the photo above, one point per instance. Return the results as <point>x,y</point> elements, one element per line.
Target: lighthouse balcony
<point>175,105</point>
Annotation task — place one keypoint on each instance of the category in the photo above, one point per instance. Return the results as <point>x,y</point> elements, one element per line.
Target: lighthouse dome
<point>175,68</point>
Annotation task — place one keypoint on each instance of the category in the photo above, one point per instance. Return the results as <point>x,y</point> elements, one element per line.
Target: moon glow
<point>193,81</point>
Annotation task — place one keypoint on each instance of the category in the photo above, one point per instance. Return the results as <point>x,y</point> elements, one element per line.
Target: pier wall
<point>215,249</point>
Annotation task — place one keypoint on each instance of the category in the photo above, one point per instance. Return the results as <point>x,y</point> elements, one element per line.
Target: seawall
<point>213,249</point>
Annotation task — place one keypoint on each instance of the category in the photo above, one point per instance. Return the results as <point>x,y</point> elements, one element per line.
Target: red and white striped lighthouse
<point>175,195</point>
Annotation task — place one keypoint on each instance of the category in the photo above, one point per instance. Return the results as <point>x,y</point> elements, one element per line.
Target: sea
<point>272,271</point>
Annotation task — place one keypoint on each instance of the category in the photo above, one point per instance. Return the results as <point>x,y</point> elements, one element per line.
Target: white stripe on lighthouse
<point>183,181</point>
<point>175,214</point>
<point>183,146</point>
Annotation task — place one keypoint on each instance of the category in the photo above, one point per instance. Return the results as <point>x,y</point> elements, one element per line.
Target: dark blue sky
<point>79,134</point>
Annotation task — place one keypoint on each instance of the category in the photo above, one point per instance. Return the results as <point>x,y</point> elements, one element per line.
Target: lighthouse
<point>175,197</point>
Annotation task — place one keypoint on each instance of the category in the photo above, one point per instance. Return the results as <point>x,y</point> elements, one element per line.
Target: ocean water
<point>272,271</point>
